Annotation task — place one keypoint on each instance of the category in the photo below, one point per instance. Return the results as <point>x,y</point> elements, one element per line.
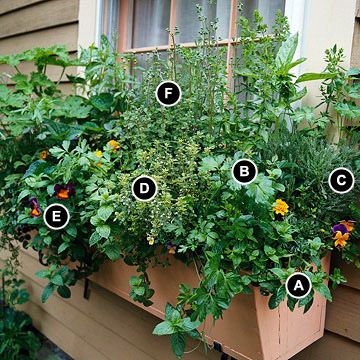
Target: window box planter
<point>249,329</point>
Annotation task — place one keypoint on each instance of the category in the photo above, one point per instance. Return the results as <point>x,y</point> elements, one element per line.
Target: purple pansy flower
<point>35,208</point>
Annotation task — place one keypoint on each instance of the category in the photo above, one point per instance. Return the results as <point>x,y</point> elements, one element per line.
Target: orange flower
<point>350,224</point>
<point>35,212</point>
<point>63,194</point>
<point>341,239</point>
<point>114,144</point>
<point>280,207</point>
<point>44,154</point>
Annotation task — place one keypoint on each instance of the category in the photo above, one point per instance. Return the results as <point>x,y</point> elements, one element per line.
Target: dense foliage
<point>85,148</point>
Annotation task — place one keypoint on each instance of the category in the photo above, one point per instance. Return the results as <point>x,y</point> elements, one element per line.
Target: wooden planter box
<point>249,329</point>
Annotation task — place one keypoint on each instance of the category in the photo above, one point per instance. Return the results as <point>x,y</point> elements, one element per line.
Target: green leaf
<point>102,102</point>
<point>64,292</point>
<point>314,76</point>
<point>299,95</point>
<point>291,302</point>
<point>23,194</point>
<point>135,281</point>
<point>104,231</point>
<point>42,274</point>
<point>36,168</point>
<point>164,328</point>
<point>63,247</point>
<point>57,280</point>
<point>178,344</point>
<point>113,251</point>
<point>188,325</point>
<point>347,110</point>
<point>280,273</point>
<point>140,291</point>
<point>105,212</point>
<point>286,53</point>
<point>277,297</point>
<point>71,230</point>
<point>353,72</point>
<point>94,238</point>
<point>210,163</point>
<point>324,291</point>
<point>47,291</point>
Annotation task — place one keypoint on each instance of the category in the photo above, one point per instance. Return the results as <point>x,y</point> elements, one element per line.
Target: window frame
<point>295,10</point>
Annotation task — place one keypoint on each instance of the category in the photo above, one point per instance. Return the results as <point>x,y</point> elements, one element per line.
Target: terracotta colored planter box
<point>249,329</point>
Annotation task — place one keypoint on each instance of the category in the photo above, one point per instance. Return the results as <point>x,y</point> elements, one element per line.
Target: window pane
<point>188,23</point>
<point>268,9</point>
<point>150,20</point>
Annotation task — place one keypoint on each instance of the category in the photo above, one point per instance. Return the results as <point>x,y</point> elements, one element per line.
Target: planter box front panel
<point>249,329</point>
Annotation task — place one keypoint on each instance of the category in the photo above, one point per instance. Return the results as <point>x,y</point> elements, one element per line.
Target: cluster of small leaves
<point>111,129</point>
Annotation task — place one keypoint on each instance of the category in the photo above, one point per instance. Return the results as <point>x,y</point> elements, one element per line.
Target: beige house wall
<point>327,22</point>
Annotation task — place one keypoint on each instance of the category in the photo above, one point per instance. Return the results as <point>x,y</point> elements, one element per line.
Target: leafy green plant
<point>85,149</point>
<point>17,339</point>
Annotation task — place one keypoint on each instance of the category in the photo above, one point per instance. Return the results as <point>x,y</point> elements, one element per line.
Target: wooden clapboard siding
<point>11,5</point>
<point>342,338</point>
<point>351,273</point>
<point>330,347</point>
<point>63,35</point>
<point>105,324</point>
<point>343,316</point>
<point>39,16</point>
<point>25,24</point>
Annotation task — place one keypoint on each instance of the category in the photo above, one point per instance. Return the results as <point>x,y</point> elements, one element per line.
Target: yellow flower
<point>44,154</point>
<point>99,155</point>
<point>340,239</point>
<point>280,207</point>
<point>114,144</point>
<point>151,240</point>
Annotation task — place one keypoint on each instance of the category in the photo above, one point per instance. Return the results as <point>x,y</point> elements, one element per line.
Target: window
<point>142,25</point>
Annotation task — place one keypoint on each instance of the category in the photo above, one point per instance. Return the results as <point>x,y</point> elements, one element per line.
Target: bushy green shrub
<point>86,148</point>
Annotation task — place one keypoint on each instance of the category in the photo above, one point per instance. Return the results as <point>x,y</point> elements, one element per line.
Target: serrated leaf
<point>178,344</point>
<point>42,274</point>
<point>105,212</point>
<point>47,291</point>
<point>102,102</point>
<point>324,291</point>
<point>164,328</point>
<point>104,231</point>
<point>57,280</point>
<point>112,251</point>
<point>94,238</point>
